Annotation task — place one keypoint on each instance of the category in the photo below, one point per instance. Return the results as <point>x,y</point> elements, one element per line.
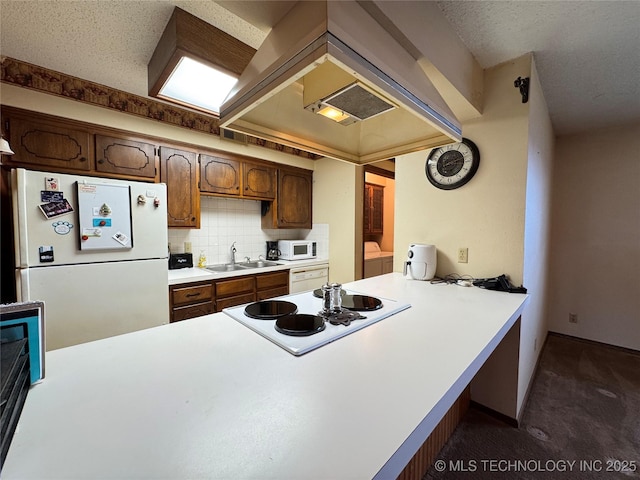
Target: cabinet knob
<point>101,161</point>
<point>83,159</point>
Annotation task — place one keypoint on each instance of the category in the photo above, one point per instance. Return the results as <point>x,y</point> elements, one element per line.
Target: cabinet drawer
<point>236,300</point>
<point>235,286</point>
<point>191,311</point>
<point>272,292</point>
<point>271,280</point>
<point>191,294</point>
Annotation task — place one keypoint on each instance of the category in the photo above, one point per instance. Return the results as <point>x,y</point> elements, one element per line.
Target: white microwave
<point>296,249</point>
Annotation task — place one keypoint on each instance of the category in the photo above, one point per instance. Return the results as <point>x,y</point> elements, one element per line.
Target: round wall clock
<point>451,166</point>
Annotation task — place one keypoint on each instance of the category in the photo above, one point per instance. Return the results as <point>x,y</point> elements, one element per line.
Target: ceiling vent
<point>334,56</point>
<point>352,103</point>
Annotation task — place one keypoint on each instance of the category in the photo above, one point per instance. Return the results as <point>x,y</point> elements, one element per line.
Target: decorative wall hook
<point>523,85</point>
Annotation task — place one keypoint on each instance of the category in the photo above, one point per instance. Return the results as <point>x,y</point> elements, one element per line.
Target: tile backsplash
<point>227,220</point>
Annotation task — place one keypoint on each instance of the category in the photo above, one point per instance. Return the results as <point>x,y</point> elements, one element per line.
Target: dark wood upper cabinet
<point>258,180</point>
<point>292,207</point>
<point>219,175</point>
<point>179,170</point>
<point>125,156</point>
<point>235,176</point>
<point>41,143</point>
<point>373,209</point>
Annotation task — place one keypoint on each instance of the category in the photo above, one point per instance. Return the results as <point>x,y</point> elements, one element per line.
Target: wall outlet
<point>573,318</point>
<point>463,255</point>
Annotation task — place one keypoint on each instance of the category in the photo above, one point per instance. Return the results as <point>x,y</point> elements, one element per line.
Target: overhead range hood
<point>329,79</point>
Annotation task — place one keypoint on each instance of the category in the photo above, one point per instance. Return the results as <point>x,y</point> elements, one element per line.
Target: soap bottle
<point>202,260</point>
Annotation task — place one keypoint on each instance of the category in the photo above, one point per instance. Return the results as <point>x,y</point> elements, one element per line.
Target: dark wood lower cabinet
<point>189,300</point>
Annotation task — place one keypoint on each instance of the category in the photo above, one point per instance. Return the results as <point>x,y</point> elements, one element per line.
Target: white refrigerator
<point>94,250</point>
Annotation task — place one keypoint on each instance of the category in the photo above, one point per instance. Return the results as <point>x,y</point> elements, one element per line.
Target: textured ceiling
<point>587,52</point>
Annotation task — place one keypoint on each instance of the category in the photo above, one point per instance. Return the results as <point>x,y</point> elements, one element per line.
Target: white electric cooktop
<point>307,303</point>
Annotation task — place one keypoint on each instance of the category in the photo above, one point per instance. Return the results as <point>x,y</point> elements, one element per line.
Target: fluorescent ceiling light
<point>198,85</point>
<point>333,114</point>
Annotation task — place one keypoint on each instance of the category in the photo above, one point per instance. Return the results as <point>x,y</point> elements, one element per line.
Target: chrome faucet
<point>233,253</point>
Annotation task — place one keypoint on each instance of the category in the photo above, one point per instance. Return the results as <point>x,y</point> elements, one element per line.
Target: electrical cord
<point>454,279</point>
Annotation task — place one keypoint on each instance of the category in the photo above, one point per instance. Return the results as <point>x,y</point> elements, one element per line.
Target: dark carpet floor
<point>582,421</point>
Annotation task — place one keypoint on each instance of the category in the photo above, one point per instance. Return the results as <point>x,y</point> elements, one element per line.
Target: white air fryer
<point>421,262</point>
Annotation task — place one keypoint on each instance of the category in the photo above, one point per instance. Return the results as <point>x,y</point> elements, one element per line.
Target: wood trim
<point>427,453</point>
<point>380,171</point>
<point>190,36</point>
<point>23,74</point>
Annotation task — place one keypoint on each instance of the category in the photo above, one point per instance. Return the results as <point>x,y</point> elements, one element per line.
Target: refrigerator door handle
<point>19,195</point>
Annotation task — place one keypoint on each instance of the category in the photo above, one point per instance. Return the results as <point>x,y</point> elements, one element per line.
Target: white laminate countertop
<point>195,274</point>
<point>210,398</point>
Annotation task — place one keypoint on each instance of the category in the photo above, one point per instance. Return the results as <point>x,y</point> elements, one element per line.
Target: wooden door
<point>179,170</point>
<point>125,156</point>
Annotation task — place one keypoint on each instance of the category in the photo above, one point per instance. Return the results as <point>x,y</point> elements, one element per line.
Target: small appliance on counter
<point>296,249</point>
<point>273,253</point>
<point>421,262</point>
<point>180,260</point>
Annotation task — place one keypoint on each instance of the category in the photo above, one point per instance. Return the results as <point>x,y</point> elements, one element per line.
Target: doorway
<point>378,218</point>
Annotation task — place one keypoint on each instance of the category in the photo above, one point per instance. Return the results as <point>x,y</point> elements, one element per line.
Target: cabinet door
<point>191,311</point>
<point>366,217</point>
<point>266,281</point>
<point>259,181</point>
<point>373,209</point>
<point>219,175</point>
<point>125,156</point>
<point>43,144</point>
<point>228,302</point>
<point>179,170</point>
<point>293,205</point>
<point>377,209</point>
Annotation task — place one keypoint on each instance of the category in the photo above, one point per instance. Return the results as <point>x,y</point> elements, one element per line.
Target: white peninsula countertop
<point>210,398</point>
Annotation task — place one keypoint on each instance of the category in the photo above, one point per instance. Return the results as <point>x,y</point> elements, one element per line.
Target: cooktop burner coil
<point>270,309</point>
<point>300,325</point>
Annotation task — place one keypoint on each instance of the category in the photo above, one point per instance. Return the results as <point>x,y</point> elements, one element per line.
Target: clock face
<point>451,166</point>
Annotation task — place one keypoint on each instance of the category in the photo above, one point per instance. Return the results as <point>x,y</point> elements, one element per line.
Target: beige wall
<point>335,203</point>
<point>499,214</point>
<point>533,325</point>
<point>596,236</point>
<point>487,214</point>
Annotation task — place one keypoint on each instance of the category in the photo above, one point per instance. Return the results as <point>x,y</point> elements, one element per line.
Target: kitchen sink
<point>230,267</point>
<point>226,267</point>
<point>258,264</point>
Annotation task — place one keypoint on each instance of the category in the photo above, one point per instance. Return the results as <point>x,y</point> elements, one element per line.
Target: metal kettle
<point>421,262</point>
